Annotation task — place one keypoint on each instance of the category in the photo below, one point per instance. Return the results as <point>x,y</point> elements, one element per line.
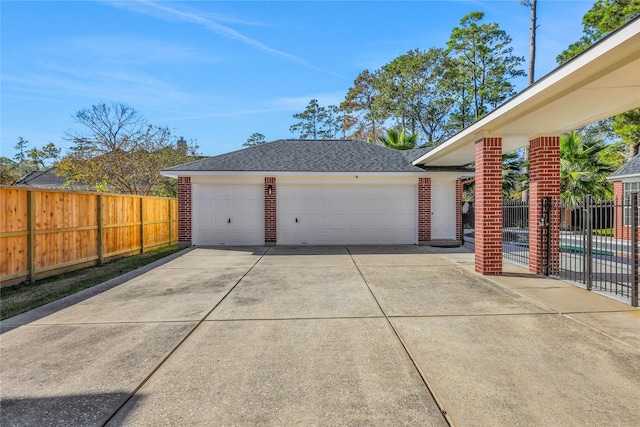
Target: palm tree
<point>584,167</point>
<point>399,140</point>
<point>512,174</point>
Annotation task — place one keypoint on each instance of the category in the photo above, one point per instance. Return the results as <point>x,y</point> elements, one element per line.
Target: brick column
<point>488,216</point>
<point>544,179</point>
<point>618,202</point>
<point>270,214</point>
<point>459,230</point>
<point>184,211</point>
<point>424,209</point>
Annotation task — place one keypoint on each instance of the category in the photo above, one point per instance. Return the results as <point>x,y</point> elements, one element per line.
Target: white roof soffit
<point>599,83</point>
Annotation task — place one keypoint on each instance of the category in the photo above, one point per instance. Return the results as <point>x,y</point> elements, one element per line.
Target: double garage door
<point>306,215</point>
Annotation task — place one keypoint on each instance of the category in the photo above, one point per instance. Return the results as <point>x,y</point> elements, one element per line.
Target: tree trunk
<point>531,74</point>
<point>532,42</point>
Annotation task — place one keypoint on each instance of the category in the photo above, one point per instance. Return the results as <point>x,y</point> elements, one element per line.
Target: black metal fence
<point>515,231</point>
<point>598,247</point>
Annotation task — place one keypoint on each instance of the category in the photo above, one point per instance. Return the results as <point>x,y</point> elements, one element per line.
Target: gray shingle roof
<point>49,179</point>
<point>288,155</point>
<point>632,167</point>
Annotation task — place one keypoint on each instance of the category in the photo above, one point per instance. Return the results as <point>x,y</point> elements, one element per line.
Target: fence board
<point>13,223</point>
<point>69,227</point>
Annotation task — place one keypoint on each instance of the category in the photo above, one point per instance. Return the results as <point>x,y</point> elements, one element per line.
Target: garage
<point>347,214</point>
<point>228,215</point>
<point>317,192</point>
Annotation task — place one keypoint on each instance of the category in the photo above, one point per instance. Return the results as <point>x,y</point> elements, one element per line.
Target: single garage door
<point>334,215</point>
<point>228,214</point>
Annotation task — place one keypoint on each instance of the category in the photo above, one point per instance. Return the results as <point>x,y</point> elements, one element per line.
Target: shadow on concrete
<point>93,409</point>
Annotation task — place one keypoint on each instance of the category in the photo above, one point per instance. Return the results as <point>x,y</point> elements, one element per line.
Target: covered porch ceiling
<point>599,83</point>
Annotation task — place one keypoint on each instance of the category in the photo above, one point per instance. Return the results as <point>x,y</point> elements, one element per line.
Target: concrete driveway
<point>359,336</point>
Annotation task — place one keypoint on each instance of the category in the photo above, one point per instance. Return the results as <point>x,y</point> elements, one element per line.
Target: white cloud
<point>130,50</point>
<point>211,22</point>
<point>95,84</point>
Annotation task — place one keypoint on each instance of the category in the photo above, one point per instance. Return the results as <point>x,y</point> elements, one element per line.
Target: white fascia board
<point>175,174</point>
<point>625,178</point>
<point>565,79</point>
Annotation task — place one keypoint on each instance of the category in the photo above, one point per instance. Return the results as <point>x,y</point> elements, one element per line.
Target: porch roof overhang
<point>601,82</point>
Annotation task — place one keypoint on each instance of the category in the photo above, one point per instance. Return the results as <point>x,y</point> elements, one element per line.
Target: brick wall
<point>270,214</point>
<point>544,178</point>
<point>424,209</point>
<point>184,210</point>
<point>488,205</point>
<point>620,230</point>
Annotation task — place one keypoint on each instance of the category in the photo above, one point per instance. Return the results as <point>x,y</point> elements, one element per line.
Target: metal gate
<point>597,247</point>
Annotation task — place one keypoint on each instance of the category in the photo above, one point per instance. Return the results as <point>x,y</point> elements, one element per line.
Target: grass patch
<point>24,297</point>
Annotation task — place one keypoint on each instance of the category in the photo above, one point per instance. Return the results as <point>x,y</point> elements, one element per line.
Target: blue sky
<point>217,71</point>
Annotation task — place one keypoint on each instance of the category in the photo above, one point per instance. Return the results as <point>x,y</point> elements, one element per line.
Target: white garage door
<point>332,215</point>
<point>228,214</point>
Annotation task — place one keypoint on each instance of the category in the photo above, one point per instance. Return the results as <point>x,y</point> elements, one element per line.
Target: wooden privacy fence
<point>44,232</point>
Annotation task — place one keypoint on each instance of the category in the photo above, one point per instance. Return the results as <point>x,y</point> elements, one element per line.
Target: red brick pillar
<point>424,209</point>
<point>459,230</point>
<point>488,216</point>
<point>618,203</point>
<point>184,211</point>
<point>270,214</point>
<point>544,179</point>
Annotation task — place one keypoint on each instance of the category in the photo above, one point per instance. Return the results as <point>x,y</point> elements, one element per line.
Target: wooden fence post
<point>31,240</point>
<point>170,222</point>
<point>141,224</point>
<point>100,231</point>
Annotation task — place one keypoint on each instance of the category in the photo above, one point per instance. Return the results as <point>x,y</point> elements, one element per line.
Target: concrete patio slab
<point>441,290</point>
<point>525,370</point>
<point>376,260</point>
<point>551,293</point>
<point>70,300</point>
<point>220,251</point>
<point>296,372</point>
<point>299,292</point>
<point>307,250</point>
<point>302,256</point>
<point>387,250</point>
<point>160,295</point>
<point>217,258</point>
<point>321,260</point>
<point>78,375</point>
<point>570,300</point>
<point>301,344</point>
<point>623,326</point>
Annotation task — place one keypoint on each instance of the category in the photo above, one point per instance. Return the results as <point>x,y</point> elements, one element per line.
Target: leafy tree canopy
<point>363,115</point>
<point>255,139</point>
<point>486,65</point>
<point>27,160</point>
<point>604,17</point>
<point>118,150</point>
<point>414,88</point>
<point>317,122</point>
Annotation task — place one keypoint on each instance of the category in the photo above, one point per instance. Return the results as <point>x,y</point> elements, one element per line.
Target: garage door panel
<point>347,214</point>
<point>215,205</point>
